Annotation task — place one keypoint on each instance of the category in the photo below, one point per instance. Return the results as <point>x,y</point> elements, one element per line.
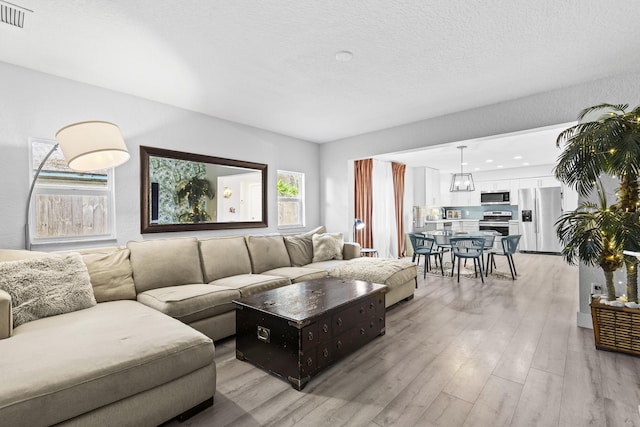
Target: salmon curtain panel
<point>398,170</point>
<point>363,194</point>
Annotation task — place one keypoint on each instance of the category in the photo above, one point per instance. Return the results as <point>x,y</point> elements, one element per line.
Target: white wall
<point>551,108</point>
<point>34,104</point>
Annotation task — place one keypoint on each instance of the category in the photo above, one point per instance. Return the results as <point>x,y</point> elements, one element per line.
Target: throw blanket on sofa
<point>376,270</point>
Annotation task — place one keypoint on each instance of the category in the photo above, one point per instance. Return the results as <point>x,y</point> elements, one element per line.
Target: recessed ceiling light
<point>489,161</point>
<point>344,56</point>
<point>525,163</point>
<point>464,163</point>
<point>476,169</point>
<point>518,157</point>
<point>499,166</point>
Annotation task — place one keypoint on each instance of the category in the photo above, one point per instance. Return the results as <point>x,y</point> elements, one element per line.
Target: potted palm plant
<point>593,234</point>
<point>194,190</point>
<point>608,144</point>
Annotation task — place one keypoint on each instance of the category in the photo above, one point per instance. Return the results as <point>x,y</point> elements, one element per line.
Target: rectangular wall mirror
<point>184,191</point>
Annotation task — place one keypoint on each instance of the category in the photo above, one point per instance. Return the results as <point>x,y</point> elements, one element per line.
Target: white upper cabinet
<point>432,187</point>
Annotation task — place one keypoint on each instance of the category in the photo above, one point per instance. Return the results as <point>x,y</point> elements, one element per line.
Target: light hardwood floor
<point>508,353</point>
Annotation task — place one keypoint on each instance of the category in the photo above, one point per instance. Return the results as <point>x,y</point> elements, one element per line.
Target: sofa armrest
<point>351,250</point>
<point>6,315</point>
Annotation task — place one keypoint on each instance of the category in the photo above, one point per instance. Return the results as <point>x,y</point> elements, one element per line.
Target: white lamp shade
<point>93,145</point>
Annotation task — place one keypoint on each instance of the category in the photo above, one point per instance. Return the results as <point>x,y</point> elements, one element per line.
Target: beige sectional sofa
<point>131,359</point>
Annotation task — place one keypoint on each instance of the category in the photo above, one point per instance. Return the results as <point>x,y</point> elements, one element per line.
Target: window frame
<point>42,187</point>
<point>300,199</point>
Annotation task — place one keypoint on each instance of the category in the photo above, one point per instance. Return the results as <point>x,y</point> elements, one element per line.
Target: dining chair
<point>509,247</point>
<point>424,245</point>
<point>443,243</point>
<point>468,248</point>
<point>489,237</point>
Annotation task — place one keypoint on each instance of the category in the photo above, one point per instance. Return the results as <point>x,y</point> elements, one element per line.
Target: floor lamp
<point>357,225</point>
<point>86,146</point>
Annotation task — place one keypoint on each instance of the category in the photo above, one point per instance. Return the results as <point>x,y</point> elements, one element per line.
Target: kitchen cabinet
<point>514,186</point>
<point>537,182</point>
<point>495,185</point>
<point>514,227</point>
<point>432,187</point>
<point>569,198</point>
<point>457,225</point>
<point>470,225</point>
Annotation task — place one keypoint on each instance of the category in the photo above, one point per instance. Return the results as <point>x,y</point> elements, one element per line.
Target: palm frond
<point>620,108</point>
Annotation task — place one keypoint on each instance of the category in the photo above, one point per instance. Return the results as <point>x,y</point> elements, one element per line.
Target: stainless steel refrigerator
<point>539,210</point>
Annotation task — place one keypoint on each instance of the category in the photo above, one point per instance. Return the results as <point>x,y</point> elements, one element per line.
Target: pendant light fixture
<point>461,181</point>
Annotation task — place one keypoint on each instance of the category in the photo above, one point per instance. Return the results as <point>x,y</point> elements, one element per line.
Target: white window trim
<point>301,197</point>
<point>43,188</point>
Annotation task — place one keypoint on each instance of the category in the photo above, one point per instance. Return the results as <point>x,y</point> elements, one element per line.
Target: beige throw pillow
<point>327,246</point>
<point>111,275</point>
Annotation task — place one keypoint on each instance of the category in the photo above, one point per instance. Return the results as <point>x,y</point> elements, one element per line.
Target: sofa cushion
<point>165,262</point>
<point>327,246</point>
<point>223,257</point>
<point>47,286</point>
<point>267,252</point>
<point>249,284</point>
<point>18,254</point>
<point>326,265</point>
<point>298,274</point>
<point>390,272</point>
<point>300,246</point>
<point>57,368</point>
<point>6,315</point>
<point>111,275</point>
<point>189,303</point>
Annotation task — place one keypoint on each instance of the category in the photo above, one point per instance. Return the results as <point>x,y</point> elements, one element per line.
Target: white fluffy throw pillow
<point>46,287</point>
<point>327,246</point>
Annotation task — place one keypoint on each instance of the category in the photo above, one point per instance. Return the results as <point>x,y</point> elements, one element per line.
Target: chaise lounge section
<point>144,353</point>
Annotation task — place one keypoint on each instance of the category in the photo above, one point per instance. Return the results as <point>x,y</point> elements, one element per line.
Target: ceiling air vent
<point>12,14</point>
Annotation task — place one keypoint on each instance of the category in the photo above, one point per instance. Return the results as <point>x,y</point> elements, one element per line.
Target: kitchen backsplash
<point>475,212</point>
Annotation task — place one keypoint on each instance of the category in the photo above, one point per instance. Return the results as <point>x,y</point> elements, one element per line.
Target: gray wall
<point>551,108</point>
<point>34,104</point>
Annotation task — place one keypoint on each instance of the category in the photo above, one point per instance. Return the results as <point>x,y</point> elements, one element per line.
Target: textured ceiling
<point>271,64</point>
<point>533,147</point>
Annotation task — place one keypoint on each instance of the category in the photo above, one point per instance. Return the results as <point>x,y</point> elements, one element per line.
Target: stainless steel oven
<point>497,221</point>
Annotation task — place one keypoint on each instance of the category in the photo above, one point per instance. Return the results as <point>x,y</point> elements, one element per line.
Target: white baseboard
<point>584,320</point>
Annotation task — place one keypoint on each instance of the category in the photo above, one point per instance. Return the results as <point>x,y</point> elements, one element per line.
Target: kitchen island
<point>457,225</point>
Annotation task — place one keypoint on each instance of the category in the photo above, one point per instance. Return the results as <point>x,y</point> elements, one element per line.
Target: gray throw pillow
<point>327,246</point>
<point>300,247</point>
<point>48,286</point>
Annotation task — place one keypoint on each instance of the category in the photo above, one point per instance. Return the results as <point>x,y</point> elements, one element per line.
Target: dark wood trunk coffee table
<point>296,331</point>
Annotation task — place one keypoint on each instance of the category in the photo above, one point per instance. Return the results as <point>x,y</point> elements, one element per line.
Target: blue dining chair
<point>423,245</point>
<point>465,248</point>
<point>442,241</point>
<point>509,247</point>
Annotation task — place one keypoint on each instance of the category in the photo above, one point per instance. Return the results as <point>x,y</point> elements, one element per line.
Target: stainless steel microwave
<point>495,198</point>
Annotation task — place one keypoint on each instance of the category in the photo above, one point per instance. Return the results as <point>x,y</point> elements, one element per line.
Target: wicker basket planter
<point>616,328</point>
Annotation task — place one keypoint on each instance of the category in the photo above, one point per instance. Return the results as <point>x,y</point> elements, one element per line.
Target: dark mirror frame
<point>145,190</point>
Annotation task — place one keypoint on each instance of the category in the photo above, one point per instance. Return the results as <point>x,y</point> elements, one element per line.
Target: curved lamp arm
<point>27,237</point>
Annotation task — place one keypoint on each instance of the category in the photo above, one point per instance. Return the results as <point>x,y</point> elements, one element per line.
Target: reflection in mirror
<point>184,191</point>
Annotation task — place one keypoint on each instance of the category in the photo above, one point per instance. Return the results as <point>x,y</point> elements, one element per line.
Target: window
<point>68,205</point>
<point>290,199</point>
